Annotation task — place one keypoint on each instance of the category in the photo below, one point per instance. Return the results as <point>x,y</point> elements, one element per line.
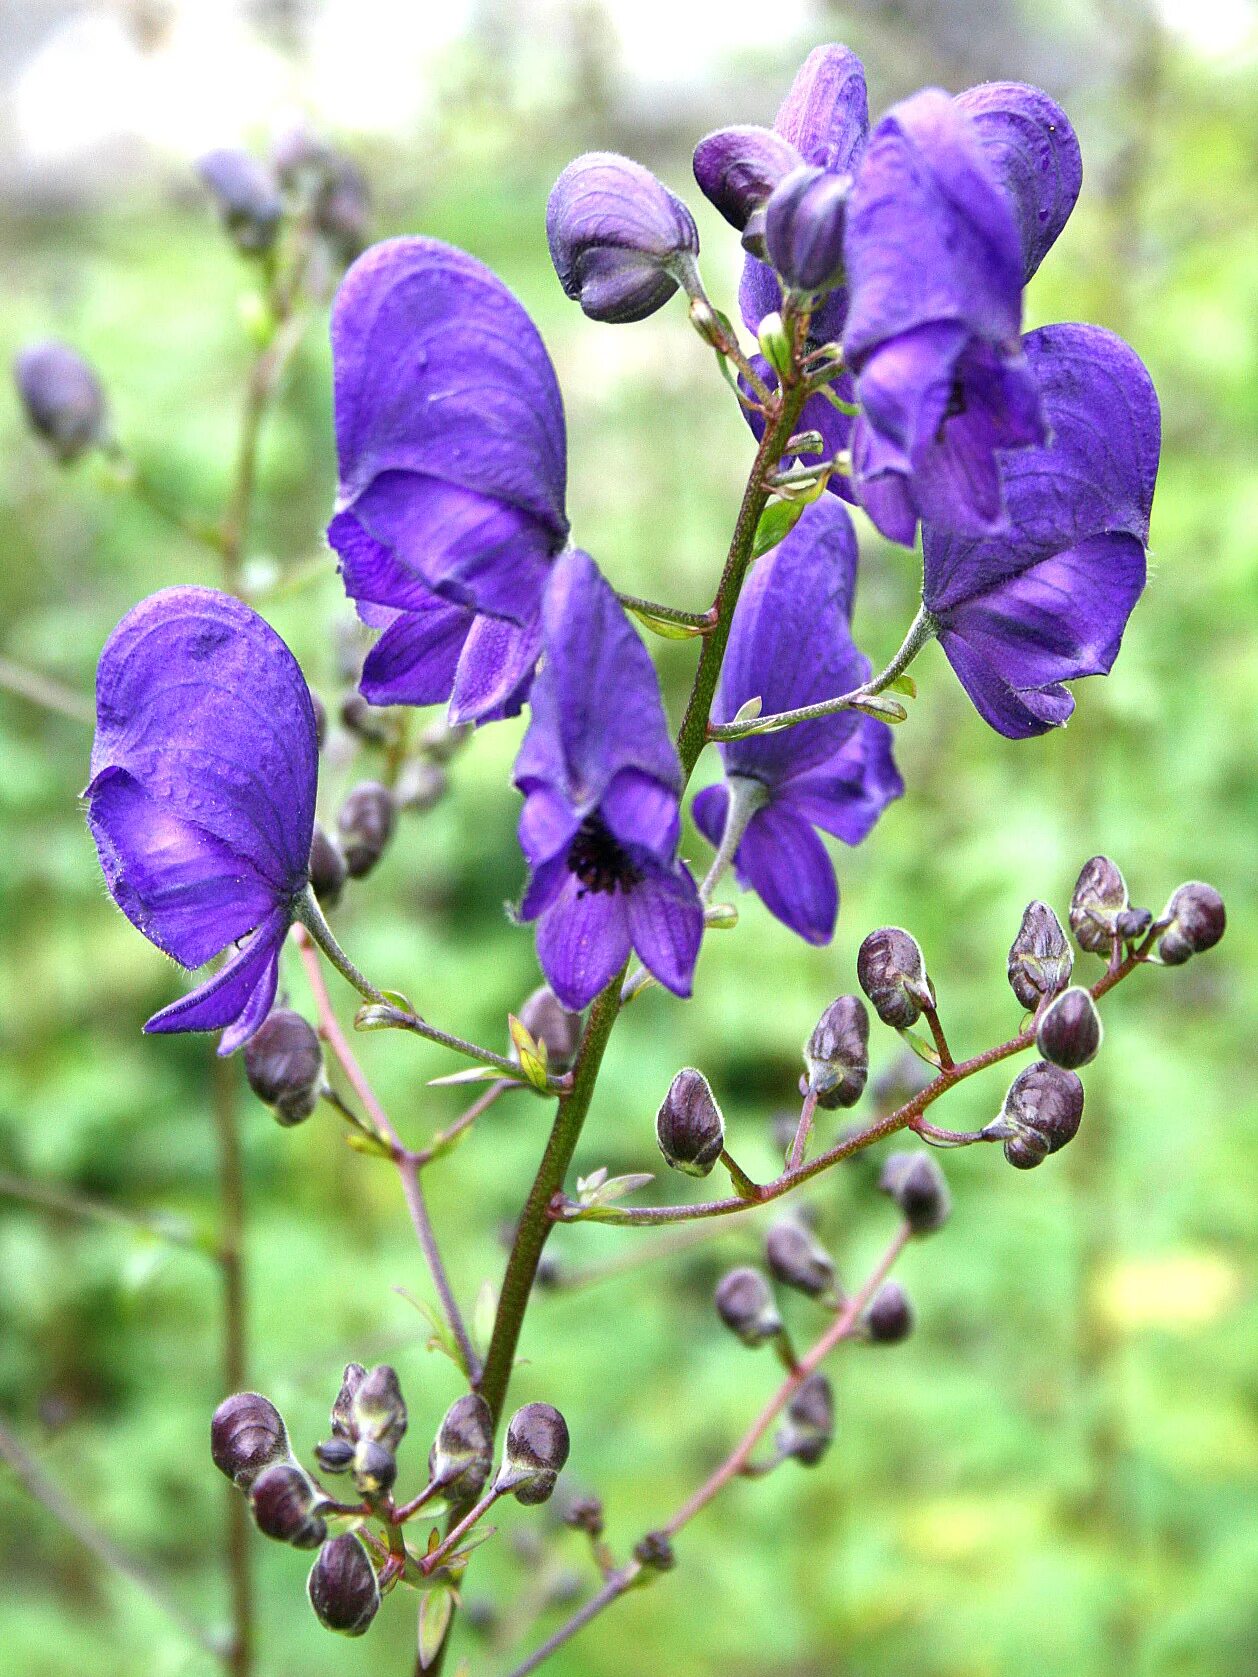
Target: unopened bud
<point>1197,920</point>
<point>1041,1113</point>
<point>547,1020</point>
<point>343,208</point>
<point>335,1455</point>
<point>365,824</point>
<point>284,1065</point>
<point>343,1587</point>
<point>535,1450</point>
<point>655,1552</point>
<point>745,1303</point>
<point>328,872</point>
<point>62,397</point>
<point>247,197</point>
<point>375,1467</point>
<point>463,1451</point>
<point>889,1318</point>
<point>422,786</point>
<point>836,1055</point>
<point>807,1429</point>
<point>1069,1034</point>
<point>797,1259</point>
<point>365,721</point>
<point>738,168</point>
<point>343,1425</point>
<point>1100,896</point>
<point>775,344</point>
<point>285,1504</point>
<point>688,1126</point>
<point>585,1513</point>
<point>1040,959</point>
<point>247,1434</point>
<point>803,228</point>
<point>441,739</point>
<point>377,1408</point>
<point>892,973</point>
<point>1132,924</point>
<point>916,1184</point>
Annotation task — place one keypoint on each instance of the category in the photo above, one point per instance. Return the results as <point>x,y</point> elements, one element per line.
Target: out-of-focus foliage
<point>1058,1471</point>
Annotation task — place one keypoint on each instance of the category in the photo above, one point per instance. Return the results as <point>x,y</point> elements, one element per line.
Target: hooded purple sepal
<point>738,168</point>
<point>201,802</point>
<point>1021,614</point>
<point>619,239</point>
<point>449,427</point>
<point>602,787</point>
<point>803,228</point>
<point>791,645</point>
<point>1033,149</point>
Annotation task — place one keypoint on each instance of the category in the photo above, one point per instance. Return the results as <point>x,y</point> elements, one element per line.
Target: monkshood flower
<point>62,397</point>
<point>247,195</point>
<point>453,466</point>
<point>602,788</point>
<point>935,272</point>
<point>791,645</point>
<point>620,241</point>
<point>202,796</point>
<point>1018,615</point>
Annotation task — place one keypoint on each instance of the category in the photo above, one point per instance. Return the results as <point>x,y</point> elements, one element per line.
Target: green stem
<point>746,796</point>
<point>308,913</point>
<point>700,621</point>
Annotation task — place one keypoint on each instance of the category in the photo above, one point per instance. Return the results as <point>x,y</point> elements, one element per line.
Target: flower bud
<point>247,197</point>
<point>655,1552</point>
<point>535,1451</point>
<point>442,739</point>
<point>797,1260</point>
<point>1069,1034</point>
<point>1100,895</point>
<point>422,786</point>
<point>745,1303</point>
<point>343,1587</point>
<point>836,1055</point>
<point>365,824</point>
<point>808,1426</point>
<point>364,721</point>
<point>547,1020</point>
<point>375,1468</point>
<point>343,207</point>
<point>1040,960</point>
<point>688,1126</point>
<point>247,1434</point>
<point>463,1451</point>
<point>1132,924</point>
<point>916,1184</point>
<point>285,1506</point>
<point>335,1455</point>
<point>284,1065</point>
<point>738,168</point>
<point>1197,920</point>
<point>891,972</point>
<point>1041,1113</point>
<point>621,242</point>
<point>343,1424</point>
<point>328,872</point>
<point>889,1318</point>
<point>62,397</point>
<point>803,228</point>
<point>377,1409</point>
<point>585,1513</point>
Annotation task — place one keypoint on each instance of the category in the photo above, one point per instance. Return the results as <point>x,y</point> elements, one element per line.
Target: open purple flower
<point>453,466</point>
<point>602,788</point>
<point>1018,615</point>
<point>202,795</point>
<point>1029,143</point>
<point>791,645</point>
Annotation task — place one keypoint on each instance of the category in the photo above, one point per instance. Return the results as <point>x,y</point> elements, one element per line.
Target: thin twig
<point>44,691</point>
<point>55,1197</point>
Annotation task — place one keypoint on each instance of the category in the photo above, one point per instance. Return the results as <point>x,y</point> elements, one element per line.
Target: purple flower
<point>738,168</point>
<point>803,228</point>
<point>202,795</point>
<point>602,788</point>
<point>1019,614</point>
<point>935,271</point>
<point>621,242</point>
<point>62,397</point>
<point>791,645</point>
<point>1029,143</point>
<point>453,466</point>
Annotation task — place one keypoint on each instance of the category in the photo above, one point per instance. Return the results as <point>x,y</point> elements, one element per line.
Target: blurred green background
<point>1059,1471</point>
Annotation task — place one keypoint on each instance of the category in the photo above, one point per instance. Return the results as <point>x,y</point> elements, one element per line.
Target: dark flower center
<point>956,405</point>
<point>598,860</point>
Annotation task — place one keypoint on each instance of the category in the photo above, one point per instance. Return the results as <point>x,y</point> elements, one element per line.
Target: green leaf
<point>923,1049</point>
<point>473,1074</point>
<point>749,711</point>
<point>435,1610</point>
<point>531,1052</point>
<point>886,710</point>
<point>903,684</point>
<point>777,521</point>
<point>720,917</point>
<point>616,1187</point>
<point>665,627</point>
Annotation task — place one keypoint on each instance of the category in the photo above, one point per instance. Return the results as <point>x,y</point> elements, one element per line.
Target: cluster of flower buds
<point>249,1444</point>
<point>368,1424</point>
<point>284,1065</point>
<point>62,398</point>
<point>890,969</point>
<point>303,172</point>
<point>689,1126</point>
<point>916,1184</point>
<point>836,1055</point>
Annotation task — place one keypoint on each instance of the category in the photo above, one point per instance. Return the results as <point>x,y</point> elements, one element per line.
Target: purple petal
<point>1033,149</point>
<point>548,824</point>
<point>238,997</point>
<point>786,864</point>
<point>710,808</point>
<point>582,942</point>
<point>642,815</point>
<point>847,793</point>
<point>760,294</point>
<point>1018,715</point>
<point>372,573</point>
<point>415,660</point>
<point>495,672</point>
<point>825,115</point>
<point>737,169</point>
<point>666,925</point>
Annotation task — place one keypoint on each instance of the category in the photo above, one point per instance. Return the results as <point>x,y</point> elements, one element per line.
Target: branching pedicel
<point>883,283</point>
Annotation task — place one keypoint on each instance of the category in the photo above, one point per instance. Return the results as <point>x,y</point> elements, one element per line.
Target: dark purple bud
<point>364,720</point>
<point>536,1448</point>
<point>1133,923</point>
<point>343,1587</point>
<point>336,1455</point>
<point>365,825</point>
<point>797,1259</point>
<point>343,1425</point>
<point>916,1184</point>
<point>284,1065</point>
<point>803,228</point>
<point>655,1552</point>
<point>621,242</point>
<point>422,786</point>
<point>1069,1034</point>
<point>375,1468</point>
<point>836,1055</point>
<point>889,1318</point>
<point>688,1126</point>
<point>738,168</point>
<point>892,973</point>
<point>299,156</point>
<point>463,1451</point>
<point>285,1503</point>
<point>744,1302</point>
<point>585,1513</point>
<point>547,1020</point>
<point>1197,920</point>
<point>247,1434</point>
<point>343,208</point>
<point>807,1428</point>
<point>328,872</point>
<point>1100,896</point>
<point>377,1408</point>
<point>62,397</point>
<point>1040,959</point>
<point>247,196</point>
<point>1041,1113</point>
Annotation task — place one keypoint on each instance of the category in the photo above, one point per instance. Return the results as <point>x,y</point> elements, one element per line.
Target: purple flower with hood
<point>791,645</point>
<point>602,787</point>
<point>202,796</point>
<point>452,454</point>
<point>1018,615</point>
